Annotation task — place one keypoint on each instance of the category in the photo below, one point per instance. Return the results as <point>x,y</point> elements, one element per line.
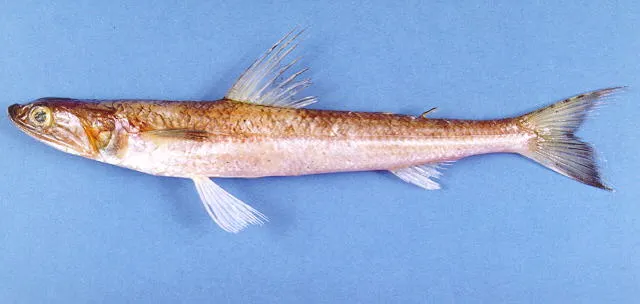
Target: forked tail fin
<point>556,147</point>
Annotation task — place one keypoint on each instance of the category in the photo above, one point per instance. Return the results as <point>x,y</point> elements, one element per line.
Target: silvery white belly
<point>260,156</point>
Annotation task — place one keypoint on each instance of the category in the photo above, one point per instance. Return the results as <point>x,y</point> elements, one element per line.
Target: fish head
<point>70,125</point>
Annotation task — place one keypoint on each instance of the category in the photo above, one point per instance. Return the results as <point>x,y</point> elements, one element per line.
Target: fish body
<point>226,138</point>
<point>260,129</point>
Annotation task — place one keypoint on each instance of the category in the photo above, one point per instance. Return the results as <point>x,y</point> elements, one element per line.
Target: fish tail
<point>555,145</point>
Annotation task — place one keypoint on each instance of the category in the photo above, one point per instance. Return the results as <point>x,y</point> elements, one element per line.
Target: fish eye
<point>40,116</point>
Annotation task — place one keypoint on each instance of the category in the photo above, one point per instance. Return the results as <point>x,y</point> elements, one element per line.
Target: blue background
<point>503,230</point>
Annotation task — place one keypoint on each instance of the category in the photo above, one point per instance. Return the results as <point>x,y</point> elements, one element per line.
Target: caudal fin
<point>556,147</point>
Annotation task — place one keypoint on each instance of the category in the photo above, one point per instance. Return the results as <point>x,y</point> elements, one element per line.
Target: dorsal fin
<point>267,81</point>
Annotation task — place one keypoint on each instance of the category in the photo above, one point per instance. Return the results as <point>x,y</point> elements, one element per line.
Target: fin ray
<point>427,112</point>
<point>197,135</point>
<point>230,213</point>
<point>555,145</point>
<point>265,83</point>
<point>422,176</point>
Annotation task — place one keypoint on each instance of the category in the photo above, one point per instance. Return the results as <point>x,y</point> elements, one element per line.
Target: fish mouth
<point>72,145</point>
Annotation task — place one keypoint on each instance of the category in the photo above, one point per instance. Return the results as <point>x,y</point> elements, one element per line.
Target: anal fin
<point>230,213</point>
<point>422,176</point>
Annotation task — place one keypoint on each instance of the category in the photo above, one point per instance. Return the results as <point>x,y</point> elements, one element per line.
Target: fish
<point>261,128</point>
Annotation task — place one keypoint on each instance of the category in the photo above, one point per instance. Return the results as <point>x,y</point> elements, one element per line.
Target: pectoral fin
<point>159,135</point>
<point>422,176</point>
<point>230,213</point>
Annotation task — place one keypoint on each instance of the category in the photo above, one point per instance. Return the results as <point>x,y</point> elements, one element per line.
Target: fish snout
<point>13,110</point>
<point>17,113</point>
